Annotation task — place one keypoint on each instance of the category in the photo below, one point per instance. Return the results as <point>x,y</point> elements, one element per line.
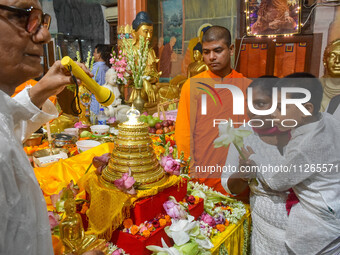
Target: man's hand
<point>53,82</point>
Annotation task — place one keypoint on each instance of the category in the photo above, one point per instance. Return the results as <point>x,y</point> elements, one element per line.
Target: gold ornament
<point>133,151</point>
<point>73,235</point>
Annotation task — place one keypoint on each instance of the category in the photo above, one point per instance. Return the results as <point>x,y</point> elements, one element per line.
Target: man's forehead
<point>214,45</point>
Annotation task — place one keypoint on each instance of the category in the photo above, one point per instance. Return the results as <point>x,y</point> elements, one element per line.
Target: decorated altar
<point>230,238</point>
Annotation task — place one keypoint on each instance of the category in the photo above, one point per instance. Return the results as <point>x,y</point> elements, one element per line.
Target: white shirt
<point>314,222</point>
<point>24,224</point>
<point>268,207</point>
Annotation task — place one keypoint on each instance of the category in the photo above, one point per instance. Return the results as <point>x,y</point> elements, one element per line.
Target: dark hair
<point>198,47</point>
<point>306,81</point>
<point>265,83</point>
<point>142,18</point>
<point>105,51</point>
<point>217,33</point>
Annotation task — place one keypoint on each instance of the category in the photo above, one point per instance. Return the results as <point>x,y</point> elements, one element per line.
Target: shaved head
<point>217,33</point>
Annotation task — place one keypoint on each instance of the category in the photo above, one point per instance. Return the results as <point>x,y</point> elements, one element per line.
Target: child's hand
<point>246,169</point>
<point>247,152</point>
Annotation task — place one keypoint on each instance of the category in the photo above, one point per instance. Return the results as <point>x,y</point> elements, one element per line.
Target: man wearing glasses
<point>24,224</point>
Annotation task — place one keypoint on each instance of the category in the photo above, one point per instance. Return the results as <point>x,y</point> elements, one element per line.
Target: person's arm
<point>287,173</point>
<point>53,82</point>
<point>34,100</point>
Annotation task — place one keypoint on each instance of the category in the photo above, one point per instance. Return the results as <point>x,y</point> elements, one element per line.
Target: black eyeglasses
<point>35,17</point>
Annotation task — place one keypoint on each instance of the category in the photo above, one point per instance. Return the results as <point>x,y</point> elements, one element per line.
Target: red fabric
<point>150,207</point>
<point>291,200</point>
<point>135,244</point>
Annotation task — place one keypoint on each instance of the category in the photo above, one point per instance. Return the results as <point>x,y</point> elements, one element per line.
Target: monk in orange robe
<point>197,140</point>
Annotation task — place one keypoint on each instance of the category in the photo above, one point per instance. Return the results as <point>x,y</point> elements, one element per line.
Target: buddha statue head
<point>202,30</point>
<point>198,52</point>
<point>331,59</point>
<point>70,206</point>
<point>142,26</point>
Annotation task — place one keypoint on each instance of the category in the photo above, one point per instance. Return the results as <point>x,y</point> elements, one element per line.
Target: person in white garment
<point>333,107</point>
<point>312,162</point>
<point>268,207</point>
<point>24,224</point>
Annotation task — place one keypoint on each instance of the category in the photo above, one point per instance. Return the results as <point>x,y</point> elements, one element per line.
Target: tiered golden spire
<point>133,152</point>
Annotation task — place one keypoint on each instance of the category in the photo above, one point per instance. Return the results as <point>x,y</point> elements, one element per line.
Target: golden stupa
<point>133,152</point>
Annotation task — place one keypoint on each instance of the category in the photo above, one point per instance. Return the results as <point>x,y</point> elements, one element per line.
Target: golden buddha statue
<point>142,26</point>
<point>72,231</point>
<point>194,68</point>
<point>189,56</point>
<point>198,65</point>
<point>84,104</point>
<point>331,78</point>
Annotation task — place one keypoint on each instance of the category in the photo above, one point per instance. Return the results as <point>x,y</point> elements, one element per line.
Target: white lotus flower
<point>228,134</point>
<point>165,250</point>
<point>180,229</point>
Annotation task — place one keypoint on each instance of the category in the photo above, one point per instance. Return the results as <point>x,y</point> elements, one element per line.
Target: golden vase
<point>139,102</point>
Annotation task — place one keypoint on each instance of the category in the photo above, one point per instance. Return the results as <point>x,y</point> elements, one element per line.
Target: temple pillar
<point>127,10</point>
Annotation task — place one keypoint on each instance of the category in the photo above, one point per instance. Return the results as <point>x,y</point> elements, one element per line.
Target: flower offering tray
<point>150,207</point>
<point>136,244</point>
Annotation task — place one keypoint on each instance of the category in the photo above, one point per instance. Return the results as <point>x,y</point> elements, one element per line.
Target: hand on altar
<point>53,82</point>
<point>150,92</point>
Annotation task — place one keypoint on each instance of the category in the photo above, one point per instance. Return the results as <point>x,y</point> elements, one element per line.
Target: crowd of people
<point>292,213</point>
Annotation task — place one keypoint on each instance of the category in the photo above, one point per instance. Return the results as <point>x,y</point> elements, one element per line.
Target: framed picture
<point>272,17</point>
<point>172,21</point>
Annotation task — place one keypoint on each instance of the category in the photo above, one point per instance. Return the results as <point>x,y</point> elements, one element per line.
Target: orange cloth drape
<point>54,178</point>
<point>289,58</point>
<point>253,59</point>
<point>198,140</point>
<point>31,82</point>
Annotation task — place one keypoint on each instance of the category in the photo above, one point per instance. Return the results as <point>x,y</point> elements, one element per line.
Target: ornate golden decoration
<point>133,151</point>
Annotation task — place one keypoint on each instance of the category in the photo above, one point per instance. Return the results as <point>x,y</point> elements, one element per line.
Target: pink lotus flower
<point>101,162</point>
<point>118,252</point>
<point>142,229</point>
<point>170,165</point>
<point>125,183</point>
<point>208,219</point>
<point>174,210</point>
<point>53,219</point>
<point>79,124</point>
<point>111,120</point>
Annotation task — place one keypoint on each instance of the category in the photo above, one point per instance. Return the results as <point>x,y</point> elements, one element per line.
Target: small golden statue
<point>142,26</point>
<point>84,104</point>
<point>198,65</point>
<point>330,80</point>
<point>72,231</point>
<point>194,68</point>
